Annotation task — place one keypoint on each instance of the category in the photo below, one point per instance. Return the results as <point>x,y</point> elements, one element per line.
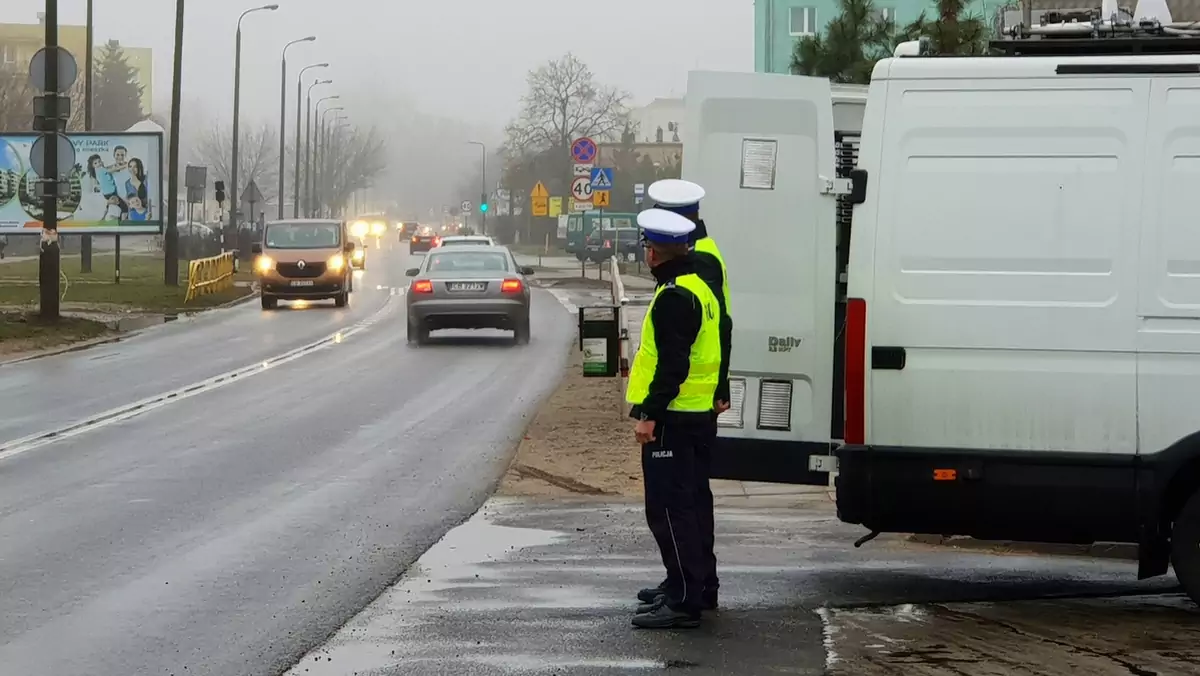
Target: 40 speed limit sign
<point>581,189</point>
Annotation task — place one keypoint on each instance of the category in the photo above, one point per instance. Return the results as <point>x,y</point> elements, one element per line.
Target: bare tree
<point>564,102</point>
<point>351,159</point>
<point>16,102</point>
<point>259,157</point>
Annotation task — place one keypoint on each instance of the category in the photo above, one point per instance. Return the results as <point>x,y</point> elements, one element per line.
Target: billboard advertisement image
<point>115,186</point>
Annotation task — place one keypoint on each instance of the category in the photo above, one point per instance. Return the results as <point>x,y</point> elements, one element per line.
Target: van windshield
<point>303,235</point>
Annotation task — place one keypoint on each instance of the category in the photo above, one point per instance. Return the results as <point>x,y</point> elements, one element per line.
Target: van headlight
<point>337,262</point>
<point>358,254</point>
<point>264,264</point>
<point>378,229</point>
<point>360,229</point>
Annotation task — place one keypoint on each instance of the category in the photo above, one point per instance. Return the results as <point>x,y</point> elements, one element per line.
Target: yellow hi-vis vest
<point>708,246</point>
<point>697,392</point>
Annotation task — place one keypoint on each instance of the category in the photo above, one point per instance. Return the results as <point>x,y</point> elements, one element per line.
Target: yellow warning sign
<point>600,198</point>
<point>539,190</point>
<point>541,206</point>
<point>555,206</point>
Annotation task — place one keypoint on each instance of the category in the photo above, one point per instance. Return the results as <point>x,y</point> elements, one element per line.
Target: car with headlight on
<point>358,259</point>
<point>304,259</point>
<point>475,287</point>
<point>423,239</point>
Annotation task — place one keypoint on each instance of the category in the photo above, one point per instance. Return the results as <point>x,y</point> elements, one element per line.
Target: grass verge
<point>141,285</point>
<point>26,332</point>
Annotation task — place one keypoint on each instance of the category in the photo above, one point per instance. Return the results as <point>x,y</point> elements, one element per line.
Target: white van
<point>1022,335</point>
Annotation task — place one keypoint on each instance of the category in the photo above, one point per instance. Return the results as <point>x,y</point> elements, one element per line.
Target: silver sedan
<point>476,287</point>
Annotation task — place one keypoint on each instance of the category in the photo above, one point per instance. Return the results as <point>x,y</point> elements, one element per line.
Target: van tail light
<point>608,244</point>
<point>510,286</point>
<point>415,238</point>
<point>422,286</point>
<point>437,241</point>
<point>856,371</point>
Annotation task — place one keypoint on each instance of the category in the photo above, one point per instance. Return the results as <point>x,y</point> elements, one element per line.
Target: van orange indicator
<point>945,475</point>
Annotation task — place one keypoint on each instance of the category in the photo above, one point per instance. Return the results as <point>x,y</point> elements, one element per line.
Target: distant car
<point>476,287</point>
<point>469,240</point>
<point>423,239</point>
<point>358,259</point>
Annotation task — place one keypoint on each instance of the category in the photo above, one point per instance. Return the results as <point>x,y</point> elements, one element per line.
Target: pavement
<point>530,587</point>
<point>273,484</point>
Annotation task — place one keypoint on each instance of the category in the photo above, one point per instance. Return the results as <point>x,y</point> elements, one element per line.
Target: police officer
<point>683,198</point>
<point>671,386</point>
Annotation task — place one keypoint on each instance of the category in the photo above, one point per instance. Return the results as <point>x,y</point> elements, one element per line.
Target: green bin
<point>600,340</point>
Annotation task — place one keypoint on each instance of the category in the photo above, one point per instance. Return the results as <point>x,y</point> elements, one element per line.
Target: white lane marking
<point>565,299</point>
<point>16,447</point>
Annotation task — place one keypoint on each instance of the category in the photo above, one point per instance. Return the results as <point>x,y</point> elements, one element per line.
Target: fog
<point>430,75</point>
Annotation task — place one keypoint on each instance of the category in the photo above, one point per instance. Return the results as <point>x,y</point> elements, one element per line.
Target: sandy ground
<point>579,444</point>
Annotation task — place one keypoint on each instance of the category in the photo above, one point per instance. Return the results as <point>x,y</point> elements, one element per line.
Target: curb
<point>1098,550</point>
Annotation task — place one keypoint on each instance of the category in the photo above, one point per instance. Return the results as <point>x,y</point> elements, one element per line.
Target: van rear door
<point>762,146</point>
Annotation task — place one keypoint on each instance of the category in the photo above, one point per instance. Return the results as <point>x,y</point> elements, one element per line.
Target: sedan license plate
<point>305,282</point>
<point>466,286</point>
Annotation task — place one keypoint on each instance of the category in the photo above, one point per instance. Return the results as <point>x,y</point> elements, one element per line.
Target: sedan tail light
<point>510,286</point>
<point>414,238</point>
<point>422,286</point>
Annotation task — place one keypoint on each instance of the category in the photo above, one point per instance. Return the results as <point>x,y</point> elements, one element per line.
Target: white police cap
<point>675,195</point>
<point>665,227</point>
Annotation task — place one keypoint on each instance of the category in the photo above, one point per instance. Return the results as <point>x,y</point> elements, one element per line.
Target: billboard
<point>114,188</point>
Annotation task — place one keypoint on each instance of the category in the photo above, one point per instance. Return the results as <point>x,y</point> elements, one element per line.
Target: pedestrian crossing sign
<point>602,178</point>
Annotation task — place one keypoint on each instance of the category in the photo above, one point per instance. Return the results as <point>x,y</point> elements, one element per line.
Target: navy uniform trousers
<point>678,513</point>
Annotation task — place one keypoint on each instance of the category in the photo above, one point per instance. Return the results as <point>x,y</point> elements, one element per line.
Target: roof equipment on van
<point>1109,29</point>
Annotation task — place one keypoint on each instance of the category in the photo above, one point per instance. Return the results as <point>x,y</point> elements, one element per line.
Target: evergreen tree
<point>118,92</point>
<point>852,43</point>
<point>951,32</point>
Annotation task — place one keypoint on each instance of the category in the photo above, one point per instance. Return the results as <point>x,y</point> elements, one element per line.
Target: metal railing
<point>617,288</point>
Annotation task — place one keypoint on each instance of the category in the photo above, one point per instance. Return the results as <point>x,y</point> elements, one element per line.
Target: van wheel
<point>1185,547</point>
<point>342,299</point>
<point>269,303</point>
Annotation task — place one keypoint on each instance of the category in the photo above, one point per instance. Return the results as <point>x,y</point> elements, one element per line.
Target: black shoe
<point>648,594</point>
<point>664,617</point>
<point>708,600</point>
<point>653,605</point>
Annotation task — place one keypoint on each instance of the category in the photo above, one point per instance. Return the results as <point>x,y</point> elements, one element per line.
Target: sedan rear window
<point>467,261</point>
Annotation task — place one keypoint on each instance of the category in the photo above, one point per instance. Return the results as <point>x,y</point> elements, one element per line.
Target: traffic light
<point>483,207</point>
<point>220,186</point>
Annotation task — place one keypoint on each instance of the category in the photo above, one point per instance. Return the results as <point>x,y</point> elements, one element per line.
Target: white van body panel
<point>1168,322</point>
<point>783,236</point>
<point>998,247</point>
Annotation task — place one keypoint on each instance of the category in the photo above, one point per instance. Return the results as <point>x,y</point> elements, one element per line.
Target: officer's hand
<point>721,406</point>
<point>644,431</point>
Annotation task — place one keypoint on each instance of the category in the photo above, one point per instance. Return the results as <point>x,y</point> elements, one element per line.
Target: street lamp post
<point>85,246</point>
<point>283,116</point>
<point>482,186</point>
<point>235,198</point>
<point>171,241</point>
<point>323,157</point>
<point>314,189</point>
<point>308,148</point>
<point>296,152</point>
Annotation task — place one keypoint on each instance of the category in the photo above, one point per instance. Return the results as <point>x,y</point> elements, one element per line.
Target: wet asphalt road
<point>230,532</point>
<point>178,353</point>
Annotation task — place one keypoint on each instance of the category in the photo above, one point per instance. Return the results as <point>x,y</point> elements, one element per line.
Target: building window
<point>8,54</point>
<point>803,21</point>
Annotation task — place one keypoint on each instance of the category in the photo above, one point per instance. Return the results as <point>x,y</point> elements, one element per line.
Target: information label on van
<point>758,163</point>
<point>782,343</point>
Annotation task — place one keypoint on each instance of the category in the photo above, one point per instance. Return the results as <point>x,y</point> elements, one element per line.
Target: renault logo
<point>300,265</point>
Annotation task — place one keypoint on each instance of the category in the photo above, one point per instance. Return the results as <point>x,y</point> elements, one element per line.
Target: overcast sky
<point>465,59</point>
<point>429,75</point>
